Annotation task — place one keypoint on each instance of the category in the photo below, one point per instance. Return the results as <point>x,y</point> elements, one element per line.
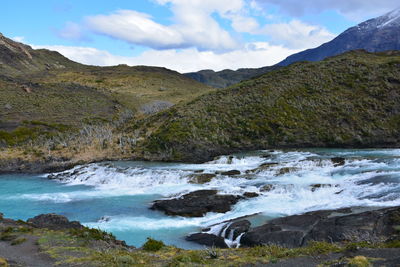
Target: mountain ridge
<point>374,35</point>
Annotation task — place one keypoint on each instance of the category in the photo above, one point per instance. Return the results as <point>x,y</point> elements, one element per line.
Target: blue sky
<point>185,35</point>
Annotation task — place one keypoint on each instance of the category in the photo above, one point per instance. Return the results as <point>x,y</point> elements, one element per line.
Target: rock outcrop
<point>54,222</point>
<point>196,204</point>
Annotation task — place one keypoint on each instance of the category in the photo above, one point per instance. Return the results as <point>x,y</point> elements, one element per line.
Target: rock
<point>267,188</point>
<point>237,228</point>
<point>196,204</point>
<point>8,106</point>
<point>250,195</point>
<point>230,160</point>
<point>207,239</point>
<point>263,167</point>
<point>201,178</point>
<point>329,226</point>
<point>230,173</point>
<point>286,170</point>
<point>318,186</point>
<point>198,171</point>
<point>338,161</point>
<point>54,222</point>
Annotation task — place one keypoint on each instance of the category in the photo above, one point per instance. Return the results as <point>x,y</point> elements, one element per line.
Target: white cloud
<point>297,34</point>
<point>254,55</point>
<point>194,26</point>
<point>354,9</point>
<point>19,39</point>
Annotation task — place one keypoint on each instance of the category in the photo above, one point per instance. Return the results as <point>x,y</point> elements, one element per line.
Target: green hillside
<point>352,100</point>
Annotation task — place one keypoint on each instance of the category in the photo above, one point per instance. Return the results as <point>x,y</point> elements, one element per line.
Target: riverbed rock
<point>207,240</point>
<point>263,167</point>
<point>250,194</point>
<point>196,204</point>
<point>286,170</point>
<point>201,178</point>
<point>230,173</point>
<point>329,226</point>
<point>338,161</point>
<point>54,222</point>
<point>238,228</point>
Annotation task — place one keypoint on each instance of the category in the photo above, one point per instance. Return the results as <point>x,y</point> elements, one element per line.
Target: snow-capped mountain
<point>374,35</point>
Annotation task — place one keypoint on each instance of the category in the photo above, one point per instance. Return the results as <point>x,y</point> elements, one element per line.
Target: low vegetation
<point>351,100</point>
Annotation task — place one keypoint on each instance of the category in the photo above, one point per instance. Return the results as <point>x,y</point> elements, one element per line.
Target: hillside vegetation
<point>51,106</point>
<point>351,100</point>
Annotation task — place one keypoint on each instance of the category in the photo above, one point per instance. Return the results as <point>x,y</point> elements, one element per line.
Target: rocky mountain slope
<point>352,100</point>
<point>375,35</point>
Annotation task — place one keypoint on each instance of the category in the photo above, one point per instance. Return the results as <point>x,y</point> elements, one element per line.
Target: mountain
<point>374,35</point>
<point>351,100</point>
<point>18,59</point>
<point>225,78</point>
<point>50,103</point>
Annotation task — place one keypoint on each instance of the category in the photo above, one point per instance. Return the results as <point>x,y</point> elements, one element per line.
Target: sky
<point>183,35</point>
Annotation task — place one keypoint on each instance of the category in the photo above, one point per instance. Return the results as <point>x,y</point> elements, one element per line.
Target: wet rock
<point>286,170</point>
<point>237,228</point>
<point>267,188</point>
<point>54,222</point>
<point>250,195</point>
<point>202,178</point>
<point>196,204</point>
<point>230,173</point>
<point>314,187</point>
<point>338,161</point>
<point>208,240</point>
<point>263,167</point>
<point>329,226</point>
<point>198,171</point>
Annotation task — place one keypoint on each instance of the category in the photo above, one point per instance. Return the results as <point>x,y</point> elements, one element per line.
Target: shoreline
<point>17,165</point>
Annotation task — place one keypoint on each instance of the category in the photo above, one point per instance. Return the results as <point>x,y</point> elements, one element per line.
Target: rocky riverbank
<point>52,240</point>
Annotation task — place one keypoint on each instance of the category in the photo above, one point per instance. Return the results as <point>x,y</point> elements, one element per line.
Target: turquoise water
<point>115,196</point>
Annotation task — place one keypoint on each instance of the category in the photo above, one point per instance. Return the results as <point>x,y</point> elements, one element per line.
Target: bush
<point>153,245</point>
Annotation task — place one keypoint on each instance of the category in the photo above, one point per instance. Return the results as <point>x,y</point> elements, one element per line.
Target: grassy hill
<point>351,100</point>
<point>51,106</point>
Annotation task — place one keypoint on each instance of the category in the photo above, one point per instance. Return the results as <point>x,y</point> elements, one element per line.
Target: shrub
<point>153,245</point>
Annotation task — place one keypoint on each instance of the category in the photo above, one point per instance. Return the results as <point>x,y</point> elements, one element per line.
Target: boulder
<point>262,167</point>
<point>237,228</point>
<point>250,195</point>
<point>54,222</point>
<point>196,204</point>
<point>208,240</point>
<point>230,173</point>
<point>330,226</point>
<point>201,178</point>
<point>338,161</point>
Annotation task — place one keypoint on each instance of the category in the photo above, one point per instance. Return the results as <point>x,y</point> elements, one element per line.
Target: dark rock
<point>338,161</point>
<point>267,188</point>
<point>196,204</point>
<point>250,195</point>
<point>237,228</point>
<point>329,226</point>
<point>54,221</point>
<point>229,173</point>
<point>201,178</point>
<point>318,186</point>
<point>262,167</point>
<point>287,170</point>
<point>208,240</point>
